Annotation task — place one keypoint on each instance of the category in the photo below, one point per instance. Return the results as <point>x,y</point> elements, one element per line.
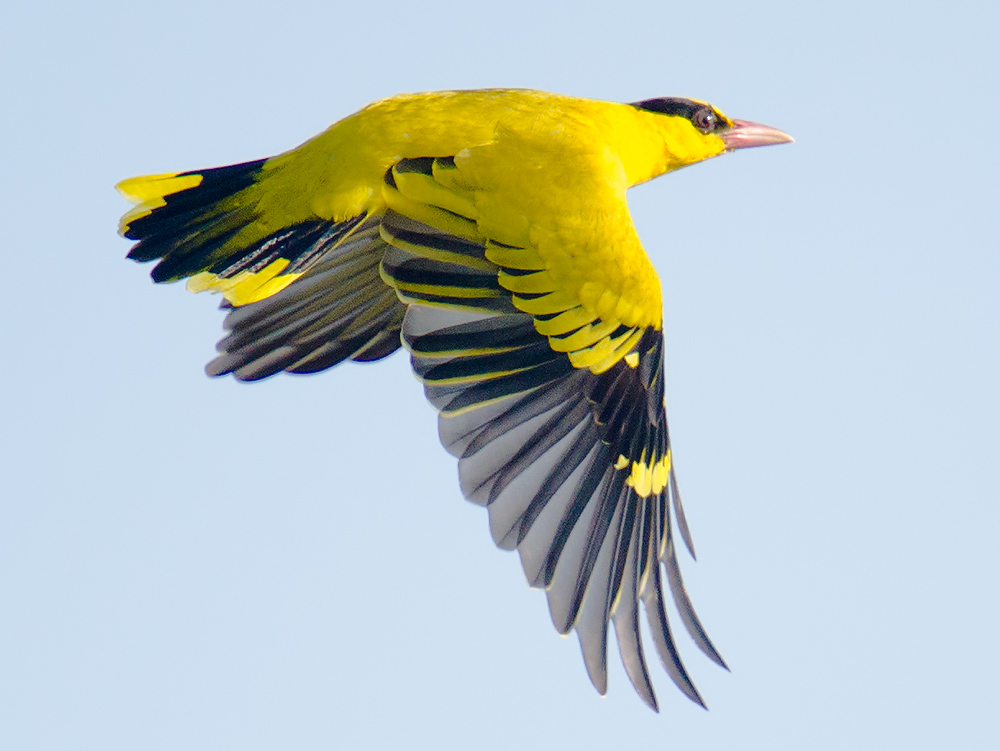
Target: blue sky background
<point>189,563</point>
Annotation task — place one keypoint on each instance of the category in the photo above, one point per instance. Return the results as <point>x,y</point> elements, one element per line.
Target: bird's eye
<point>705,120</point>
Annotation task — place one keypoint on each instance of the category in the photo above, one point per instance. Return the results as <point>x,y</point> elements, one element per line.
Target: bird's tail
<point>200,226</point>
<point>306,291</point>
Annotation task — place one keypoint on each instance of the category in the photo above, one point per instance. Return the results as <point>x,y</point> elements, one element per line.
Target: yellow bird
<point>487,232</point>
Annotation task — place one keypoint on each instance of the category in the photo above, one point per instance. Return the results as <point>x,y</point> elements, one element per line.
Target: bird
<point>487,232</point>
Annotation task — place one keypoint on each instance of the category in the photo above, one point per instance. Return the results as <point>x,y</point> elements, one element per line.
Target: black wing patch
<point>558,460</point>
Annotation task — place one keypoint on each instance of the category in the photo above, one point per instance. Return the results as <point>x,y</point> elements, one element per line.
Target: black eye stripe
<point>670,106</point>
<point>685,108</point>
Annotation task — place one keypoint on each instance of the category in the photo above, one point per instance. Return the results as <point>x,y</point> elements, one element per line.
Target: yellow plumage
<point>488,231</point>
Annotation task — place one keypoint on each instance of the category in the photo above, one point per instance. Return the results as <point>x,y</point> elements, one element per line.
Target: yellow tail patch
<point>152,187</point>
<point>149,191</point>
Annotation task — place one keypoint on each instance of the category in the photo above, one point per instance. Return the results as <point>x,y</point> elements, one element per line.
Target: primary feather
<point>488,232</point>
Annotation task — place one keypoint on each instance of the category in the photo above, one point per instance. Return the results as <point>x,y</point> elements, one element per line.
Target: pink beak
<point>744,135</point>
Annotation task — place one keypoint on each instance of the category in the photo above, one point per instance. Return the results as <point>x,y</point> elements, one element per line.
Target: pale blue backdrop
<point>196,564</point>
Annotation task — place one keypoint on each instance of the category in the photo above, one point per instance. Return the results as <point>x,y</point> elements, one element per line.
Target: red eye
<point>705,120</point>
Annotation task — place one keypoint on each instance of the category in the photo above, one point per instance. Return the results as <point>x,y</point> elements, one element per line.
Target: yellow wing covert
<point>559,233</point>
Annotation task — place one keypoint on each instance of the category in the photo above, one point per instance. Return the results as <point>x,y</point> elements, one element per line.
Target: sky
<point>193,563</point>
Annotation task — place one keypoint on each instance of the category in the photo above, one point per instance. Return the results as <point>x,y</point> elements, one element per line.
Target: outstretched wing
<point>555,412</point>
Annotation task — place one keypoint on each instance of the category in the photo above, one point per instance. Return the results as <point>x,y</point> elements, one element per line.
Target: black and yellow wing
<point>556,417</point>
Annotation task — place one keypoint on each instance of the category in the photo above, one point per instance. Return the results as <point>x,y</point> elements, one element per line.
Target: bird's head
<point>699,130</point>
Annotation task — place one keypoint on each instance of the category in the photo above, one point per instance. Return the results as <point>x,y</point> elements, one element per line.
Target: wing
<point>535,329</point>
<point>302,297</point>
<point>554,411</point>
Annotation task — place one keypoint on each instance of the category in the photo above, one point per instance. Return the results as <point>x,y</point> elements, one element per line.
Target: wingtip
<point>695,697</point>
